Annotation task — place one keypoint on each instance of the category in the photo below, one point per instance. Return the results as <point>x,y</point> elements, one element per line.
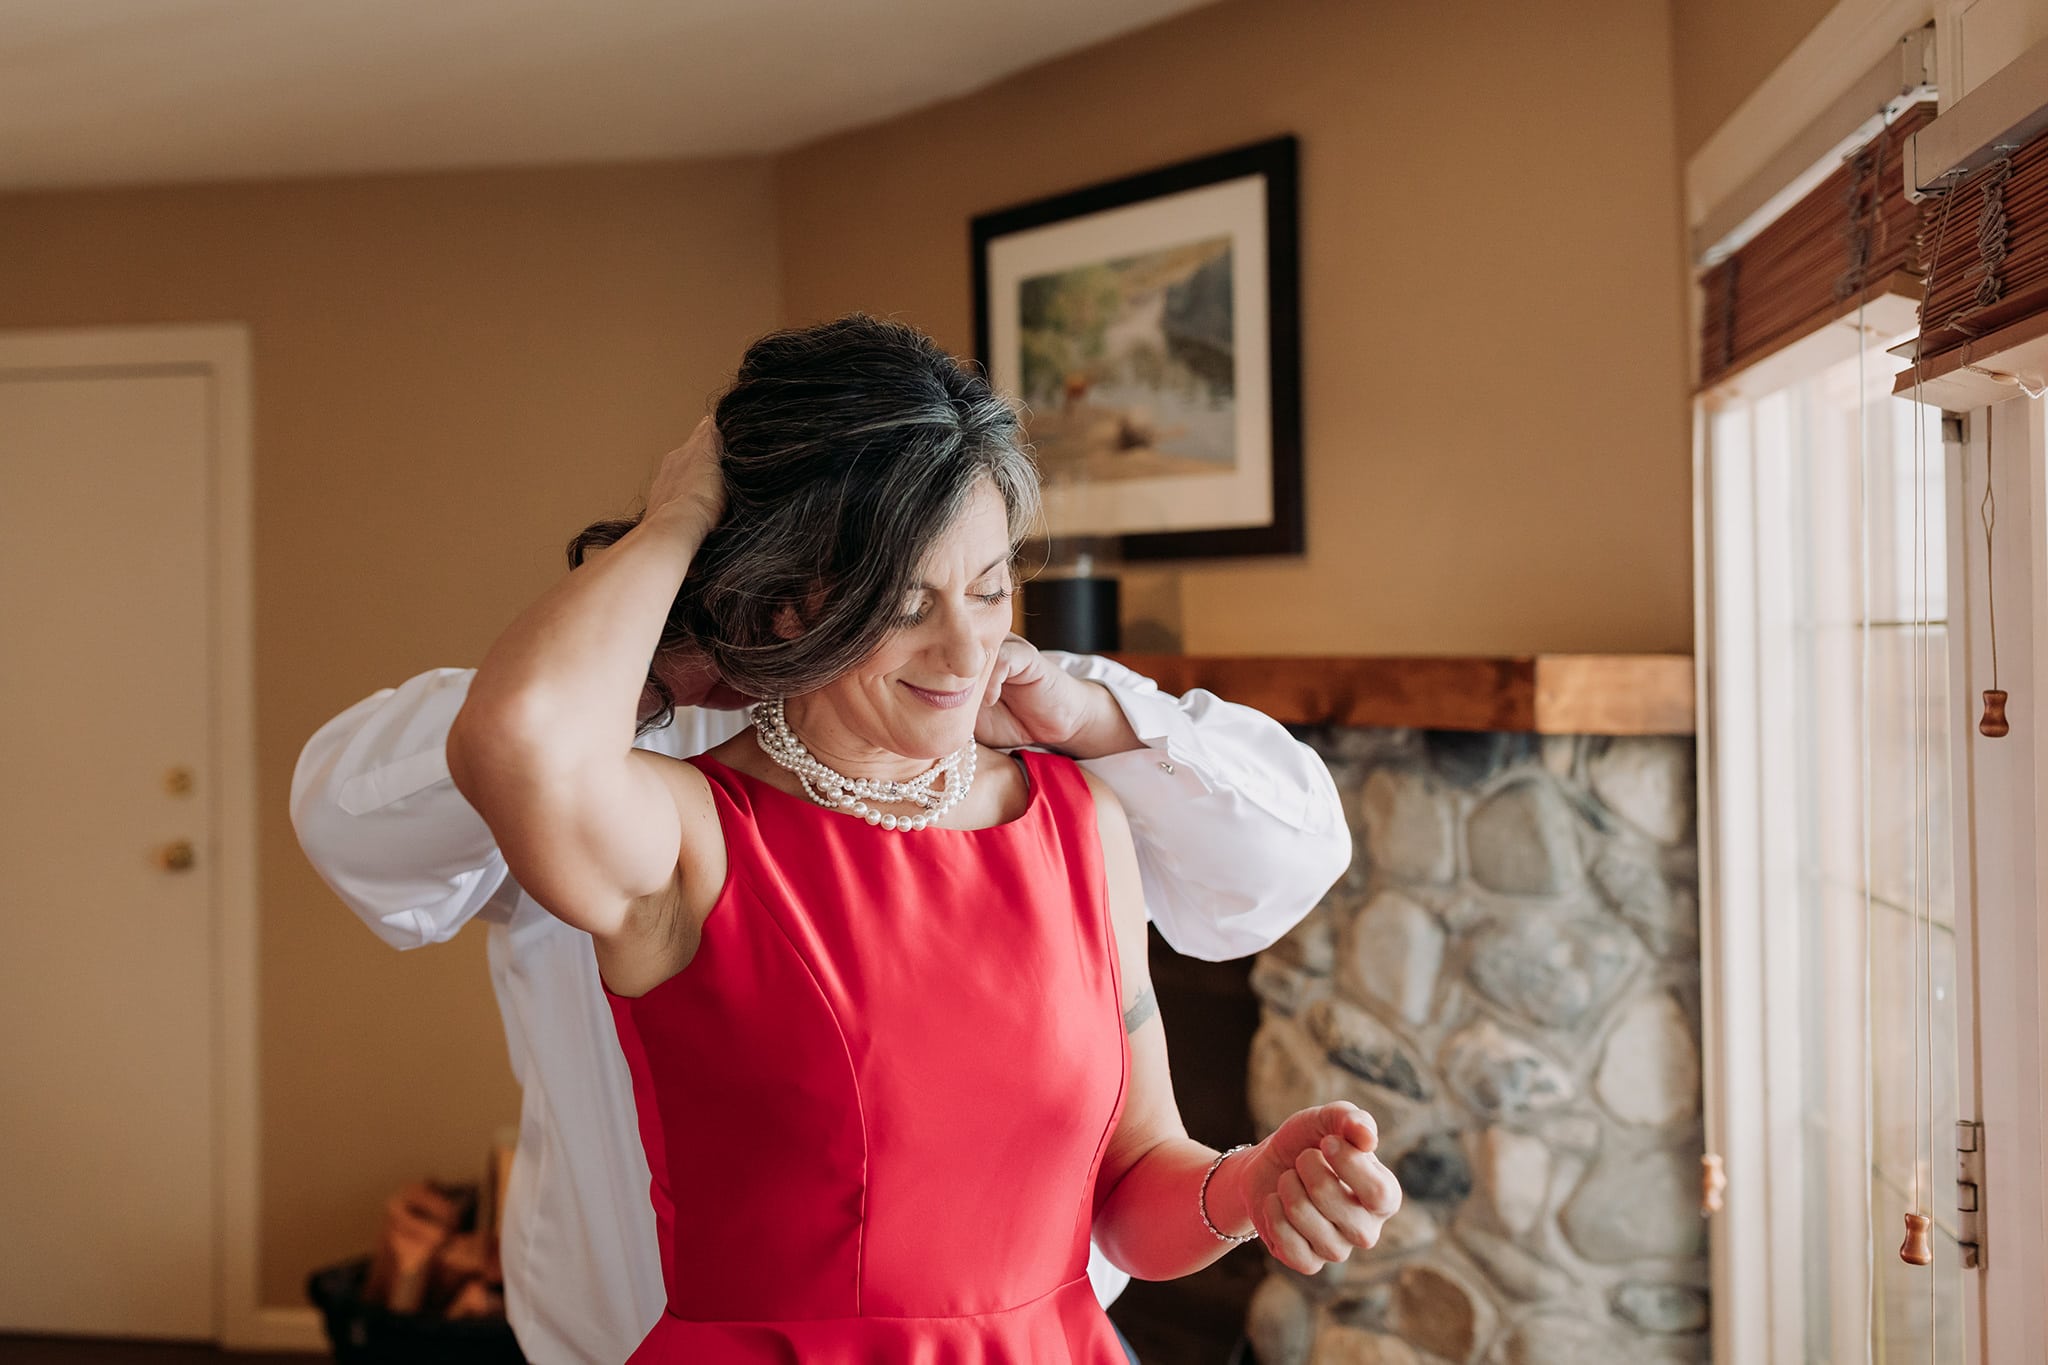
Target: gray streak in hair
<point>850,448</point>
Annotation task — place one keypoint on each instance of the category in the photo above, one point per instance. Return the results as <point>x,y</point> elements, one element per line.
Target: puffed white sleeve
<point>380,819</point>
<point>1239,827</point>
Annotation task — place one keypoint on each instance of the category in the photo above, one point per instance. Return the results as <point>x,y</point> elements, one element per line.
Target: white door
<point>107,1092</point>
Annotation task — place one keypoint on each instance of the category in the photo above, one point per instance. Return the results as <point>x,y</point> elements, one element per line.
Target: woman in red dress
<point>883,992</point>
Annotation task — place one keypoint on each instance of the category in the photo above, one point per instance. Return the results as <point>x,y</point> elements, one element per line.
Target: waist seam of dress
<point>792,1323</point>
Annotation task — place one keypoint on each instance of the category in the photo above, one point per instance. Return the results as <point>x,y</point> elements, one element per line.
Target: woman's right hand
<point>690,484</point>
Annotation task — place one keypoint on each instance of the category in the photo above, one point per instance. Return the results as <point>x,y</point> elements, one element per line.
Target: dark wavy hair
<point>850,448</point>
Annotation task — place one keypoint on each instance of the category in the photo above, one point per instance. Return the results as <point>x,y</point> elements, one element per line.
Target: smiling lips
<point>945,701</point>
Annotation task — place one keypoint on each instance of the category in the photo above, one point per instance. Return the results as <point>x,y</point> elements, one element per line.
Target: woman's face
<point>920,693</point>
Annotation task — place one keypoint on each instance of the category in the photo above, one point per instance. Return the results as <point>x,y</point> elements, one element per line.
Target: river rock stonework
<point>1508,978</point>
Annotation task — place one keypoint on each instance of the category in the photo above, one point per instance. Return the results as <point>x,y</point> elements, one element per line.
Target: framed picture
<point>1151,326</point>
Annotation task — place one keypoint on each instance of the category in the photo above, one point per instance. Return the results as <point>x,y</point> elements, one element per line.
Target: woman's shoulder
<point>732,768</point>
<point>1109,808</point>
<point>1084,795</point>
<point>732,752</point>
<point>1057,766</point>
<point>1061,769</point>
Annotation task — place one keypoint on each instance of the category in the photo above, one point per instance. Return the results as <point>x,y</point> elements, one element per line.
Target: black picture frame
<point>1276,162</point>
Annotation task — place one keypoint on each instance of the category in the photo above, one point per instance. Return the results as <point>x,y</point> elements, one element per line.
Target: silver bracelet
<point>1202,1200</point>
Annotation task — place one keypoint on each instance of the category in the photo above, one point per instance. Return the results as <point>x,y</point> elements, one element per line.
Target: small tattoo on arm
<point>1143,1008</point>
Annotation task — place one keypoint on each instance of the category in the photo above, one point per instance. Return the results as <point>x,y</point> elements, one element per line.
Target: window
<point>1830,717</point>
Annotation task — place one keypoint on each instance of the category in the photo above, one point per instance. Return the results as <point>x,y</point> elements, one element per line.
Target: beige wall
<point>1723,49</point>
<point>452,374</point>
<point>1493,328</point>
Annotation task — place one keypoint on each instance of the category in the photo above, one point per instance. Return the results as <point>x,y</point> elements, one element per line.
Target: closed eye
<point>988,599</point>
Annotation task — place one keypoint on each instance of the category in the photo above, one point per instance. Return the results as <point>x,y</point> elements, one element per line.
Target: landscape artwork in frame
<point>1151,327</point>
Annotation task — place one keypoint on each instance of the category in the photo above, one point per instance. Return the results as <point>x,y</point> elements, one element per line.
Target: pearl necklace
<point>837,791</point>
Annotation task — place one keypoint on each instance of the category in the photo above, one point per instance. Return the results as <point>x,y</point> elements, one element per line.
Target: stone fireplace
<point>1508,979</point>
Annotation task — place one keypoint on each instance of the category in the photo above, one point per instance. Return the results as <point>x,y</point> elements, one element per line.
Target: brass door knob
<point>177,856</point>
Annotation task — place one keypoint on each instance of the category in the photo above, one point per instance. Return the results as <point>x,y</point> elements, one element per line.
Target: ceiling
<point>118,92</point>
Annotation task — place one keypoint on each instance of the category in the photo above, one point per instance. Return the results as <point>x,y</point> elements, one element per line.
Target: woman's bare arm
<point>1145,1219</point>
<point>1313,1190</point>
<point>543,746</point>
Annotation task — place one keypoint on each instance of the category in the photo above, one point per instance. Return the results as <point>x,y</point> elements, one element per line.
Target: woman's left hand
<point>1316,1189</point>
<point>1032,701</point>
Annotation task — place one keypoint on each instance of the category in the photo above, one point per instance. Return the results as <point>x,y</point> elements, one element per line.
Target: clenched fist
<point>1316,1189</point>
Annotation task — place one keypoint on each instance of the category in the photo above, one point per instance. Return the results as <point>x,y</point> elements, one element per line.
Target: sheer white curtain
<point>1836,881</point>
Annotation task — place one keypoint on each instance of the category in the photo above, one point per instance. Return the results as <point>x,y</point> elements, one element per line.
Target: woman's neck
<point>839,747</point>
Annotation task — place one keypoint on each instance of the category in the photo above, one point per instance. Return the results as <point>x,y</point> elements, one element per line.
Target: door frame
<point>219,352</point>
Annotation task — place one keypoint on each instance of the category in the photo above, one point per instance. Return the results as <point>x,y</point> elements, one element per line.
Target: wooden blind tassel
<point>1994,724</point>
<point>1914,1250</point>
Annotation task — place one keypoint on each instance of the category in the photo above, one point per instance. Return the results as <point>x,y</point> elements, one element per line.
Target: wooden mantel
<point>1550,694</point>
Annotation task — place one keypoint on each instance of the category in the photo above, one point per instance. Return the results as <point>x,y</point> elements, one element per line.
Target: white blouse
<point>1239,832</point>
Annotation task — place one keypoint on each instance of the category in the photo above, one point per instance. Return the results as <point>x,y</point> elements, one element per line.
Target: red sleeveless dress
<point>875,1102</point>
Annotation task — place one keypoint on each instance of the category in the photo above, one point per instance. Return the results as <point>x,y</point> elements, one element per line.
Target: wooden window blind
<point>1987,244</point>
<point>1853,236</point>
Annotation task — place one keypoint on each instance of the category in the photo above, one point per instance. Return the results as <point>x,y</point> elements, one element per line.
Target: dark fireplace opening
<point>1210,1013</point>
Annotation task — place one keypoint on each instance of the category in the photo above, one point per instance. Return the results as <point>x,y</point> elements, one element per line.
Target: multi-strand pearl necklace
<point>836,790</point>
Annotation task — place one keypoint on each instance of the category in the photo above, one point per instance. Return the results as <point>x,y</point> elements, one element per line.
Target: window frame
<point>1755,1254</point>
<point>2003,860</point>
